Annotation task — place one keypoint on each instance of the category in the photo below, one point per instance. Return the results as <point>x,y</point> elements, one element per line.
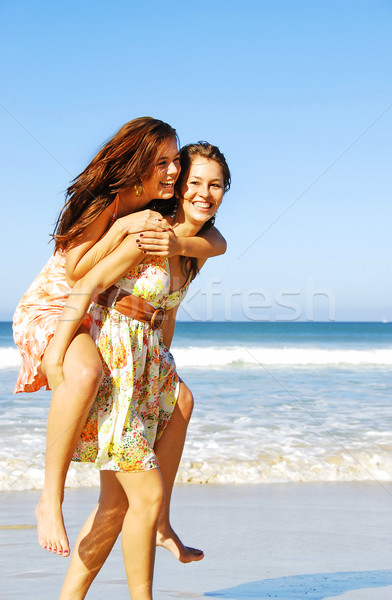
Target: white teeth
<point>202,204</point>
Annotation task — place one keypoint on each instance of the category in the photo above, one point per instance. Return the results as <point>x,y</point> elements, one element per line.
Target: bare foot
<point>50,527</point>
<point>172,542</point>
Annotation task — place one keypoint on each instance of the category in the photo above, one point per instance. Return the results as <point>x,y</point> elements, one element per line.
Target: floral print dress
<point>35,320</point>
<point>139,388</point>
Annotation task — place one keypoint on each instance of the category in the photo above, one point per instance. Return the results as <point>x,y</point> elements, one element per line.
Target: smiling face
<point>166,171</point>
<point>201,192</point>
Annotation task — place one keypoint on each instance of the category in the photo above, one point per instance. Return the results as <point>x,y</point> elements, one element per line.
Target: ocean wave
<point>9,358</point>
<point>16,474</point>
<point>224,356</point>
<point>219,357</point>
<point>288,469</point>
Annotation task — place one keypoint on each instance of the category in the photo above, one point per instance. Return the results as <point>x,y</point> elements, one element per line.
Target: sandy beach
<point>285,541</point>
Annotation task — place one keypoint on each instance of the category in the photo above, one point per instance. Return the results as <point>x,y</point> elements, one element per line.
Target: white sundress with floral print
<point>139,387</point>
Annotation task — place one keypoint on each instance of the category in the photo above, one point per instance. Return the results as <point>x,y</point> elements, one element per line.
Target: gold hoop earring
<point>138,189</point>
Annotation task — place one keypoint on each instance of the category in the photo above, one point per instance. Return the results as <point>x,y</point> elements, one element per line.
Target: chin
<point>201,222</point>
<point>203,218</point>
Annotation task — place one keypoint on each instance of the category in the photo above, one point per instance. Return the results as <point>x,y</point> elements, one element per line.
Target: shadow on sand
<point>314,586</point>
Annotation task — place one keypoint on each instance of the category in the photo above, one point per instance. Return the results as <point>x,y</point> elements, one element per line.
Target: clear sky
<point>296,93</point>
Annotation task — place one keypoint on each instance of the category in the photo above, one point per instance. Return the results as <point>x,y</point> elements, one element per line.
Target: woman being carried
<point>139,387</point>
<point>140,163</point>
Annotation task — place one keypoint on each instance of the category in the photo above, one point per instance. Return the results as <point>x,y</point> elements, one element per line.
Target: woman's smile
<point>202,190</point>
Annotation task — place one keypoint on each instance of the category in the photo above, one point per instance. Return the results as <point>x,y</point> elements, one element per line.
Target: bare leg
<point>96,538</point>
<point>129,502</point>
<point>145,494</point>
<point>68,411</point>
<point>169,451</point>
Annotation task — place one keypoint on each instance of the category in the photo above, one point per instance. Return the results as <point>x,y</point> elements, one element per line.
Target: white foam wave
<point>16,474</point>
<point>219,357</point>
<point>223,356</point>
<point>286,469</point>
<point>9,358</point>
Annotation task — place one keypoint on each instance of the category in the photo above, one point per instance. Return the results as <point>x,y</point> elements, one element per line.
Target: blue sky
<point>296,94</point>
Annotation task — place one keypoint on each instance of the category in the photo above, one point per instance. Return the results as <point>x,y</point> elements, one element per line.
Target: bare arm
<point>109,270</point>
<point>204,246</point>
<point>209,244</point>
<point>95,244</point>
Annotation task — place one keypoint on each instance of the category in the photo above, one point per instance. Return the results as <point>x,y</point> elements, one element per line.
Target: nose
<point>173,169</point>
<point>204,191</point>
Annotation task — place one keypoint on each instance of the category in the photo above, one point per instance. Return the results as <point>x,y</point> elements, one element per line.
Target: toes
<point>64,547</point>
<point>55,548</point>
<point>195,551</point>
<point>51,546</point>
<point>63,550</point>
<point>44,544</point>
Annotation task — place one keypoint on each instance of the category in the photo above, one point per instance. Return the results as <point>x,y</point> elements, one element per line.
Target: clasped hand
<point>153,234</point>
<point>144,220</point>
<point>158,243</point>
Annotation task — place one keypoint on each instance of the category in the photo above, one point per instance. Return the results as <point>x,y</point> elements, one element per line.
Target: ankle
<point>164,529</point>
<point>51,498</point>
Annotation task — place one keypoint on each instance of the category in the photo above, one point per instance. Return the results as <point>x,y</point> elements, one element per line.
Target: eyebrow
<point>215,178</point>
<point>166,157</point>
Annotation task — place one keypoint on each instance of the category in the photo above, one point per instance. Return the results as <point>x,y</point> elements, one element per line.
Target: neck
<point>129,203</point>
<point>183,226</point>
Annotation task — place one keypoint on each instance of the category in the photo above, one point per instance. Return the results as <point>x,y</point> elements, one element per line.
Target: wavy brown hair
<point>188,154</point>
<point>125,160</point>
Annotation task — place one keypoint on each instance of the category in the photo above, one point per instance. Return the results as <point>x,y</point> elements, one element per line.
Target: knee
<point>113,511</point>
<point>185,401</point>
<point>149,505</point>
<point>116,512</point>
<point>87,378</point>
<point>155,498</point>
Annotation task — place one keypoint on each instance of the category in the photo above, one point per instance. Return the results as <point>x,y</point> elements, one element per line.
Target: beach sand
<point>285,541</point>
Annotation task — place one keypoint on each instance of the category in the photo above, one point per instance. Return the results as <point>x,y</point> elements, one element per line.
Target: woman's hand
<point>53,367</point>
<point>159,243</point>
<point>54,375</point>
<point>144,220</point>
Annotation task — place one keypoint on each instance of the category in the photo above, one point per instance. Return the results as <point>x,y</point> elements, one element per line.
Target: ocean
<point>274,402</point>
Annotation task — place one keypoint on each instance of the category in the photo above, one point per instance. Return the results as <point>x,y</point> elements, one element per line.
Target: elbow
<point>71,281</point>
<point>71,275</point>
<point>86,289</point>
<point>217,241</point>
<point>221,247</point>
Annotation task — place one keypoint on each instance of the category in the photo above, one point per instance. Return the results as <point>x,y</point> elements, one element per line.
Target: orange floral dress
<point>35,320</point>
<point>139,388</point>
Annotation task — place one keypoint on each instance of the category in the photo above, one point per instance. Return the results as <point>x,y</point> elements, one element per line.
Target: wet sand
<point>285,541</point>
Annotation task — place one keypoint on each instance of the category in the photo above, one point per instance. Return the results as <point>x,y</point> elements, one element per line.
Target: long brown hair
<point>187,155</point>
<point>125,160</point>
